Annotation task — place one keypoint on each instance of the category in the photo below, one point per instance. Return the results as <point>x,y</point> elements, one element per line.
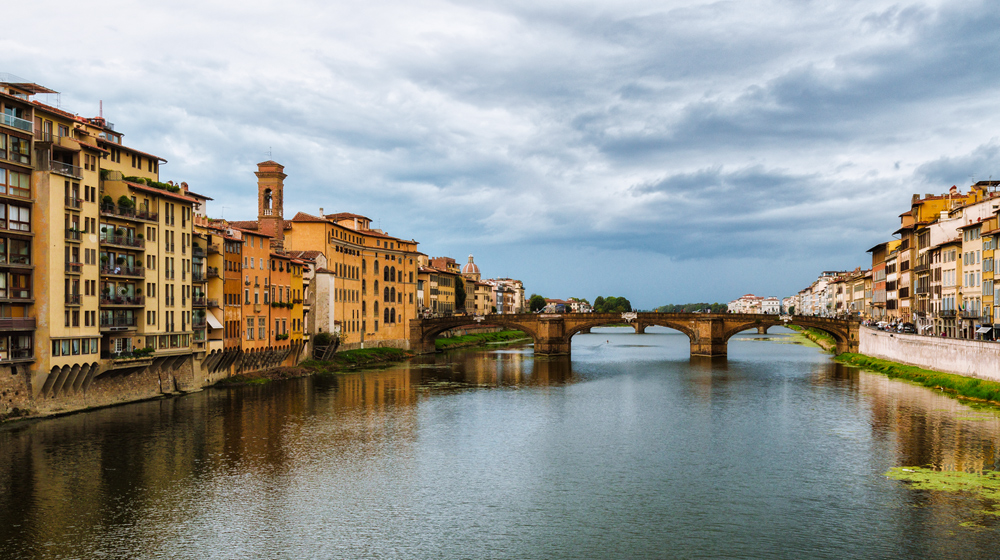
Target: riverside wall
<point>964,357</point>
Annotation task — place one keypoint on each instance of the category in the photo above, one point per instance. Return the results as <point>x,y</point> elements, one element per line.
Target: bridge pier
<point>552,337</point>
<point>762,329</point>
<point>709,338</point>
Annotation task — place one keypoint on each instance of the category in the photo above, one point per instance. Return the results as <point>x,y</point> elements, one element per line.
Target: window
<point>18,219</point>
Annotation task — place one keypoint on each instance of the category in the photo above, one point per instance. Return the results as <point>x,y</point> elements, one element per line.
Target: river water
<point>631,449</point>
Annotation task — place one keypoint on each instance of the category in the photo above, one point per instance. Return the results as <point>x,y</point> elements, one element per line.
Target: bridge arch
<point>434,327</point>
<point>670,325</point>
<point>604,322</point>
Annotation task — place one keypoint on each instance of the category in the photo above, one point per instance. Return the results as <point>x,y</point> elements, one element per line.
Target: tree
<point>612,304</point>
<point>536,303</point>
<point>459,294</point>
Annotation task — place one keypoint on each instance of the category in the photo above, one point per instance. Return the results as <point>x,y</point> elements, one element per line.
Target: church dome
<point>470,267</point>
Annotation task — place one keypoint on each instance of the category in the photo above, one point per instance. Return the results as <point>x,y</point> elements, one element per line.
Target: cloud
<point>691,134</point>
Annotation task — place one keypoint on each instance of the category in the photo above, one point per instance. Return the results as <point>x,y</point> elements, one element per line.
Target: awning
<point>212,321</point>
<point>984,329</point>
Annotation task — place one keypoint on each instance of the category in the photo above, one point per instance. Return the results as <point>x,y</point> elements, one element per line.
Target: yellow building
<point>111,251</point>
<point>990,233</point>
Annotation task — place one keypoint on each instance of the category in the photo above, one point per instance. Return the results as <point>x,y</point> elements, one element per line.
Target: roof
<point>201,196</point>
<point>249,231</point>
<point>308,255</point>
<point>343,215</point>
<point>160,192</point>
<point>247,225</point>
<point>303,217</point>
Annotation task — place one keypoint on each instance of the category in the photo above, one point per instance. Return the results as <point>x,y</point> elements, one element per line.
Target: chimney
<point>184,186</point>
<point>321,214</point>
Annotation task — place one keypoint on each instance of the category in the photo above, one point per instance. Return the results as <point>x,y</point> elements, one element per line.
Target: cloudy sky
<point>665,151</point>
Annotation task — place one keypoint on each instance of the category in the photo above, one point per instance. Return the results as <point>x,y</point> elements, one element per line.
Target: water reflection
<point>625,450</point>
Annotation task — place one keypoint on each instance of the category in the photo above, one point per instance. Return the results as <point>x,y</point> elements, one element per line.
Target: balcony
<point>199,323</point>
<point>74,203</point>
<point>63,168</point>
<point>213,303</point>
<point>198,276</point>
<point>213,272</point>
<point>17,324</point>
<point>213,249</point>
<point>947,313</point>
<point>72,234</point>
<point>124,271</point>
<point>18,355</point>
<point>199,302</point>
<point>118,323</point>
<point>197,251</point>
<point>123,241</point>
<point>922,290</point>
<point>921,268</point>
<point>74,268</point>
<point>16,122</point>
<point>128,213</point>
<point>73,299</point>
<point>122,301</point>
<point>971,314</point>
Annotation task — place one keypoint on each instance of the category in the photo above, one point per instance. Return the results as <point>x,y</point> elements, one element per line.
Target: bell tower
<point>270,202</point>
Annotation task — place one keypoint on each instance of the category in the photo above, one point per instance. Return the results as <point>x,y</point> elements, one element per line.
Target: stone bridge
<point>709,333</point>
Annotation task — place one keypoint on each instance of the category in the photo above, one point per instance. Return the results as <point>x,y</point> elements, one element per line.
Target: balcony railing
<point>971,314</point>
<point>197,276</point>
<point>213,272</point>
<point>947,313</point>
<point>117,322</point>
<point>72,299</point>
<point>73,234</point>
<point>64,168</point>
<point>72,202</point>
<point>129,212</point>
<point>213,249</point>
<point>18,354</point>
<point>197,251</point>
<point>199,323</point>
<point>74,268</point>
<point>921,268</point>
<point>134,301</point>
<point>16,122</point>
<point>123,241</point>
<point>17,323</point>
<point>199,302</point>
<point>135,271</point>
<point>213,303</point>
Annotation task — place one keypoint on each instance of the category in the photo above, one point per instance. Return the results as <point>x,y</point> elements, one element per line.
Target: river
<point>631,449</point>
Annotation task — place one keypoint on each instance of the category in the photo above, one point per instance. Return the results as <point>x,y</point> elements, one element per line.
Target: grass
<point>478,339</point>
<point>964,387</point>
<point>822,338</point>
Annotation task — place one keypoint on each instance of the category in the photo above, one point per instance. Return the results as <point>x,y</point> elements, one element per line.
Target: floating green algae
<point>985,485</point>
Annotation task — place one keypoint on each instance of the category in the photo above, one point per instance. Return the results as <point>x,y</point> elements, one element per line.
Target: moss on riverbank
<point>479,339</point>
<point>971,388</point>
<point>342,361</point>
<point>822,339</point>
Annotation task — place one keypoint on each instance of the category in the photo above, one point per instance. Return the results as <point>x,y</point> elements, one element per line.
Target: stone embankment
<point>963,357</point>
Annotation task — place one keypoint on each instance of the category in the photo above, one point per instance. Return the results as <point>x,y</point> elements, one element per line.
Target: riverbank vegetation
<point>479,339</point>
<point>971,388</point>
<point>822,339</point>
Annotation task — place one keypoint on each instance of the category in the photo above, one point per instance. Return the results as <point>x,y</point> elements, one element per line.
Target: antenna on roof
<point>100,110</point>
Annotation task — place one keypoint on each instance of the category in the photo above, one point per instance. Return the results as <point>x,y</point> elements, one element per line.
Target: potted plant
<point>139,236</point>
<point>120,261</point>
